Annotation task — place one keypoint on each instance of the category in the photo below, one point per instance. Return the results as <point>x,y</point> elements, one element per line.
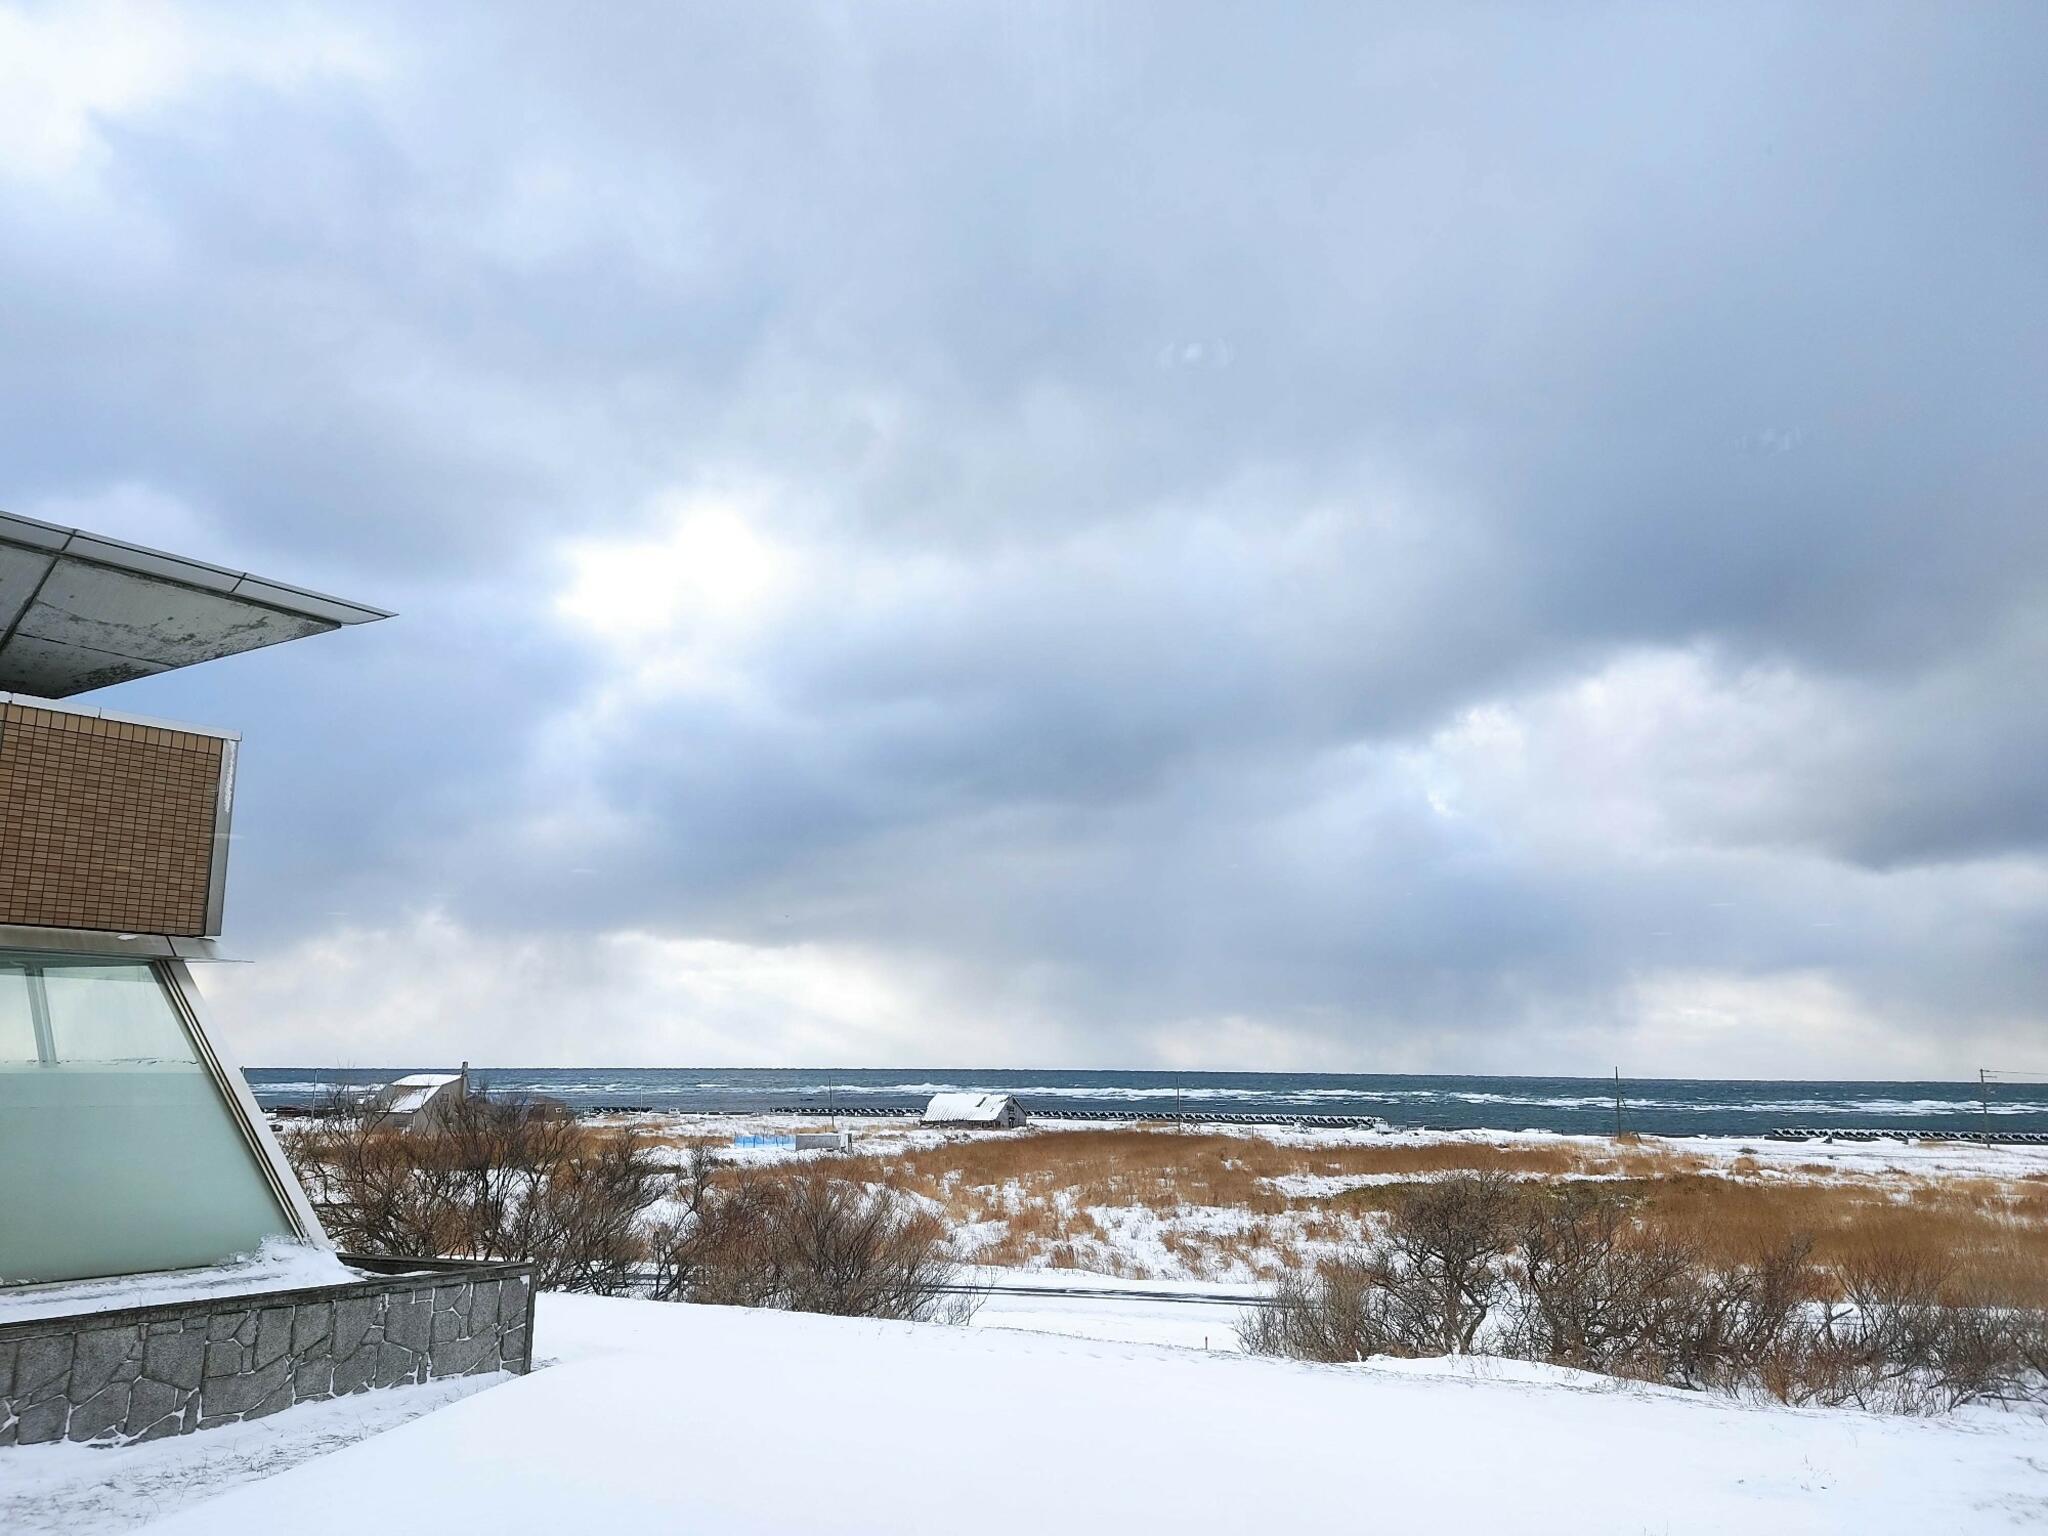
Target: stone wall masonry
<point>145,1372</point>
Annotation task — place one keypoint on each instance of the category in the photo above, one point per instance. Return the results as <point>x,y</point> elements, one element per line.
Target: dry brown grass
<point>1043,1185</point>
<point>1994,1236</point>
<point>1161,1170</point>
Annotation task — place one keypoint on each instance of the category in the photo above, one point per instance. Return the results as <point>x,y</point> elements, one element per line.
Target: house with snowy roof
<point>421,1100</point>
<point>975,1111</point>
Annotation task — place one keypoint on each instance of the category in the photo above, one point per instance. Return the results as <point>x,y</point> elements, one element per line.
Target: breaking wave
<point>1561,1104</point>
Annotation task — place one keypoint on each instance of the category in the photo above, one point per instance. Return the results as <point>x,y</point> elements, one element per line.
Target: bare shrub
<point>1588,1282</point>
<point>492,1179</point>
<point>804,1242</point>
<point>677,1241</point>
<point>1425,1288</point>
<point>1336,1314</point>
<point>1988,1353</point>
<point>1594,1290</point>
<point>1599,1288</point>
<point>1440,1265</point>
<point>1914,1335</point>
<point>1731,1319</point>
<point>582,1222</point>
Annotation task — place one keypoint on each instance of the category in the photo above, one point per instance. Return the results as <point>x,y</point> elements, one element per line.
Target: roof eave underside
<point>79,612</point>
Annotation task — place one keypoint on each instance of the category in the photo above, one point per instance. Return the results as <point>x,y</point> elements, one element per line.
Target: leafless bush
<point>679,1242</point>
<point>1439,1269</point>
<point>491,1179</point>
<point>1336,1314</point>
<point>1587,1282</point>
<point>1732,1318</point>
<point>1593,1291</point>
<point>1988,1353</point>
<point>803,1242</point>
<point>1427,1287</point>
<point>1913,1335</point>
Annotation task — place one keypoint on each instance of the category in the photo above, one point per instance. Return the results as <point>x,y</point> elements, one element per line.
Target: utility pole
<point>1984,1099</point>
<point>1617,1103</point>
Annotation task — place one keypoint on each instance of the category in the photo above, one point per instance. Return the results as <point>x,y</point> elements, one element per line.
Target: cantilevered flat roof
<point>79,612</point>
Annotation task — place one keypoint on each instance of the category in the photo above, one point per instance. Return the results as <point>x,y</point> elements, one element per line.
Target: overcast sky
<point>1369,538</point>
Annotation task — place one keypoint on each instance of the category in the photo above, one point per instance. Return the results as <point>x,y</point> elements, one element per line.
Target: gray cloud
<point>1381,537</point>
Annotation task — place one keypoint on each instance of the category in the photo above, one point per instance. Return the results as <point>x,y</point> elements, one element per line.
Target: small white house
<point>421,1100</point>
<point>977,1111</point>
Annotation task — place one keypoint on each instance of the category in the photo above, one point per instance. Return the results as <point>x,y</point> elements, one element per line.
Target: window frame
<point>35,968</point>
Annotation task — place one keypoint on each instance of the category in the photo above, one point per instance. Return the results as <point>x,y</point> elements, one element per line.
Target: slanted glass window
<point>112,1013</point>
<point>120,1152</point>
<point>17,1023</point>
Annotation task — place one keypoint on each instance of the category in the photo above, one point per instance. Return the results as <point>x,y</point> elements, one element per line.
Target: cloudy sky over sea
<point>1373,538</point>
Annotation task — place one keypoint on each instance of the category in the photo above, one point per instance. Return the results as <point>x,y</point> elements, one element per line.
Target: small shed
<point>421,1100</point>
<point>975,1111</point>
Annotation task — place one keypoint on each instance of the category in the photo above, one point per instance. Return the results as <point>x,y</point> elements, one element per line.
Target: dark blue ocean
<point>1666,1106</point>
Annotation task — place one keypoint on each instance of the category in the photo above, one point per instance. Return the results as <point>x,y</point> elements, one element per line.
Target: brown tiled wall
<point>104,824</point>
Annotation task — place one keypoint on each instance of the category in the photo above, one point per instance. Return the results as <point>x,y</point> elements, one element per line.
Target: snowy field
<point>1126,1408</point>
<point>883,1137</point>
<point>672,1418</point>
<point>1133,1204</point>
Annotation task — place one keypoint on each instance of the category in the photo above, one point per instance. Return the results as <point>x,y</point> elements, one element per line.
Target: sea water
<point>1666,1106</point>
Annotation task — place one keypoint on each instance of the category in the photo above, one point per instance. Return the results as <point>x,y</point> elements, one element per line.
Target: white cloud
<point>1236,1042</point>
<point>67,71</point>
<point>714,564</point>
<point>1788,1024</point>
<point>132,510</point>
<point>430,987</point>
<point>1276,632</point>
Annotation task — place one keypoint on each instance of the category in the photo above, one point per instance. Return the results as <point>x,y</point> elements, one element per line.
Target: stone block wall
<point>146,1372</point>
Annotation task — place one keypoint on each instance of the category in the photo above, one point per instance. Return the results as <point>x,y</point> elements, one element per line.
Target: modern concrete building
<point>130,1146</point>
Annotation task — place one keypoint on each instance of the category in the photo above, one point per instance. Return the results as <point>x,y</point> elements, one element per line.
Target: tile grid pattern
<point>105,824</point>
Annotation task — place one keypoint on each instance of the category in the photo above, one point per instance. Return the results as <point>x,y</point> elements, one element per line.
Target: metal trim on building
<point>242,1107</point>
<point>98,712</point>
<point>223,832</point>
<point>94,941</point>
<point>123,556</point>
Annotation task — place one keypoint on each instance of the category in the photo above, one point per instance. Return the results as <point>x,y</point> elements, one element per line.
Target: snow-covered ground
<point>1122,1310</point>
<point>1804,1159</point>
<point>279,1265</point>
<point>1046,1213</point>
<point>86,1490</point>
<point>655,1417</point>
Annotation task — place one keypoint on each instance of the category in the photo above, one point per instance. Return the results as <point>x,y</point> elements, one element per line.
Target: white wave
<point>1502,1104</point>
